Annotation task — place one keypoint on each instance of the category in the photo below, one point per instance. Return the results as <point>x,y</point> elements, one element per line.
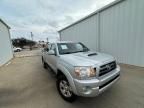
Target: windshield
<point>68,48</point>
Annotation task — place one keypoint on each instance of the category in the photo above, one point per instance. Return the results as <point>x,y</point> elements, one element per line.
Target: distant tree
<point>21,42</point>
<point>30,43</point>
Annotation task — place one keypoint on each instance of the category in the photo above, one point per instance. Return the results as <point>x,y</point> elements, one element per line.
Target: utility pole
<point>47,40</point>
<point>32,40</point>
<point>32,36</point>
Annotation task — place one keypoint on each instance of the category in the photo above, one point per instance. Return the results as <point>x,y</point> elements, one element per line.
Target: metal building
<point>117,29</point>
<point>6,52</point>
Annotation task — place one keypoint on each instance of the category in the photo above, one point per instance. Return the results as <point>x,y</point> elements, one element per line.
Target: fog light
<point>86,90</point>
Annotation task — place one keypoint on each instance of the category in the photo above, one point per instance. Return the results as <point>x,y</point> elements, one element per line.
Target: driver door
<point>52,58</point>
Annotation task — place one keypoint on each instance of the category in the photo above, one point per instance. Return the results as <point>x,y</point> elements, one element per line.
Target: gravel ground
<point>27,53</point>
<point>25,84</point>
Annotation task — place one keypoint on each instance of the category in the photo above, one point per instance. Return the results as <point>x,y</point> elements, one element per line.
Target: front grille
<point>104,69</point>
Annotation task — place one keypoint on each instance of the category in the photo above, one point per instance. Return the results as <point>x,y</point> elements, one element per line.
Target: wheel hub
<point>65,88</point>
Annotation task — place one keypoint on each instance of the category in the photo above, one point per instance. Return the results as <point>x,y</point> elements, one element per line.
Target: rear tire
<point>64,89</point>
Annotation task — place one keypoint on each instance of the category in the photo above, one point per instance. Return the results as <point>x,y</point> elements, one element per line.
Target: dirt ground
<point>25,84</point>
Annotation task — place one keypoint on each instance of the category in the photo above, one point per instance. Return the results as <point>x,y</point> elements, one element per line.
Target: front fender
<point>69,77</point>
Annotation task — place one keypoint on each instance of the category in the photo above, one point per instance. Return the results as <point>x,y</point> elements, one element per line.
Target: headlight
<point>85,72</point>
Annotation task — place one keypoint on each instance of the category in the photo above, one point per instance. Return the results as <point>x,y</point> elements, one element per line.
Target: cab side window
<point>53,47</point>
<point>49,46</point>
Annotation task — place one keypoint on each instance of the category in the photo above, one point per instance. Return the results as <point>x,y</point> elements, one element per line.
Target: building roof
<point>4,23</point>
<point>96,12</point>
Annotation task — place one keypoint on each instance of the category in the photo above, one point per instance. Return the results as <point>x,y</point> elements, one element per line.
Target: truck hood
<point>86,58</point>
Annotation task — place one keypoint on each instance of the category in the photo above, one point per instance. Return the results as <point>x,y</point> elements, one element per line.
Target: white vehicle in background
<point>17,49</point>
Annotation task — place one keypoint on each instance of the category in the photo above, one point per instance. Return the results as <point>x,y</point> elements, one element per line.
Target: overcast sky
<point>44,17</point>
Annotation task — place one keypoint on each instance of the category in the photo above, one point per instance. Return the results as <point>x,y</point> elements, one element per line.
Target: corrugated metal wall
<point>5,45</point>
<point>85,31</point>
<point>119,31</point>
<point>122,31</point>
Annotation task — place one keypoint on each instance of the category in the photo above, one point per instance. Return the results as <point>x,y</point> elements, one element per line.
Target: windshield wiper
<point>67,53</point>
<point>75,52</point>
<point>85,50</point>
<point>82,51</point>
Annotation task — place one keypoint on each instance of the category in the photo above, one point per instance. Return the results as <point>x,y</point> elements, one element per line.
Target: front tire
<point>64,89</point>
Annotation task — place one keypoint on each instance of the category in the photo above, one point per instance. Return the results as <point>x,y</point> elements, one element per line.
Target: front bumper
<point>94,87</point>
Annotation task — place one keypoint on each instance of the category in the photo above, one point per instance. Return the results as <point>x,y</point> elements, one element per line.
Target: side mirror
<point>51,52</point>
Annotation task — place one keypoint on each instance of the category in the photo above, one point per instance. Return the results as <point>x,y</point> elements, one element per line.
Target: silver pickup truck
<point>79,71</point>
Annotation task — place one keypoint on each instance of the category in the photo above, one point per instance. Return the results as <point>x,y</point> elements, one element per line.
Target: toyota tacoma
<point>79,71</point>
